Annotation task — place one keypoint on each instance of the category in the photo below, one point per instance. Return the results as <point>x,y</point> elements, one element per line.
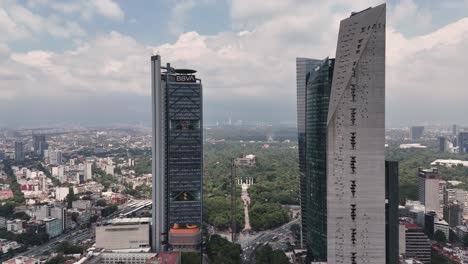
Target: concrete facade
<point>428,189</point>
<point>356,174</point>
<point>124,234</point>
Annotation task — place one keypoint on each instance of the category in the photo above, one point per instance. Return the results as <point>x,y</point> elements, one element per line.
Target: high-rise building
<point>391,212</point>
<point>19,151</point>
<point>454,130</point>
<point>442,190</point>
<point>453,214</point>
<point>39,143</point>
<point>177,158</point>
<point>416,132</point>
<point>443,144</point>
<point>418,246</point>
<point>313,94</point>
<point>429,220</point>
<point>303,66</point>
<point>428,188</point>
<point>55,157</point>
<point>88,170</point>
<point>356,139</point>
<point>463,142</point>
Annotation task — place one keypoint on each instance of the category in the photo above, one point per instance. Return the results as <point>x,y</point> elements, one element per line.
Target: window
<point>352,164</point>
<point>353,187</point>
<point>353,116</point>
<point>353,140</point>
<point>353,236</point>
<point>353,89</point>
<point>353,212</point>
<point>185,124</point>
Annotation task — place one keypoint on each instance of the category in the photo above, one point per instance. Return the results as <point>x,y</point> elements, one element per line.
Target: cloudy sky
<point>87,61</point>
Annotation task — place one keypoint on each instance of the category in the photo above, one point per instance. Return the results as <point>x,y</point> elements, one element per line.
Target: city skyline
<point>51,71</point>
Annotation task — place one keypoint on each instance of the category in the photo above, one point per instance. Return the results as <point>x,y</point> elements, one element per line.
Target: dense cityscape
<point>337,186</point>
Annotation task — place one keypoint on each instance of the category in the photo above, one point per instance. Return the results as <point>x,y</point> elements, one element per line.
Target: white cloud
<point>178,16</point>
<point>18,22</point>
<point>255,63</point>
<point>85,8</point>
<point>407,15</point>
<point>108,8</point>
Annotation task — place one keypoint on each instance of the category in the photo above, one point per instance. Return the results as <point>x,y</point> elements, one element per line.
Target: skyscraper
<point>355,142</point>
<point>177,158</point>
<point>39,143</point>
<point>19,151</point>
<point>303,66</point>
<point>391,212</point>
<point>416,132</point>
<point>463,142</point>
<point>313,144</point>
<point>428,188</point>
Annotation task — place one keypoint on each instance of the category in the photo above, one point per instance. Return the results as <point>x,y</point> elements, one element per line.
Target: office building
<point>442,190</point>
<point>22,260</point>
<point>60,213</point>
<point>459,195</point>
<point>355,142</point>
<point>55,157</point>
<point>88,170</point>
<point>391,211</point>
<point>39,144</point>
<point>416,132</point>
<point>463,142</point>
<point>430,218</point>
<point>124,233</point>
<point>314,79</point>
<point>177,158</point>
<point>453,214</point>
<point>19,151</point>
<point>428,188</point>
<point>443,227</point>
<point>418,245</point>
<point>53,226</point>
<point>443,144</point>
<point>303,66</point>
<point>16,226</point>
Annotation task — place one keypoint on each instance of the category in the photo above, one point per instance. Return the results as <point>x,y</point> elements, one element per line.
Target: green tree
<point>101,202</point>
<point>220,250</point>
<point>191,258</point>
<point>465,241</point>
<point>68,248</point>
<point>266,255</point>
<point>74,217</point>
<point>109,210</point>
<point>70,197</point>
<point>439,236</point>
<point>21,215</point>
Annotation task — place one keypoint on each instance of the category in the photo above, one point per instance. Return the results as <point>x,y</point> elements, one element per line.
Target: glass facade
<point>303,66</point>
<point>318,85</point>
<point>183,153</point>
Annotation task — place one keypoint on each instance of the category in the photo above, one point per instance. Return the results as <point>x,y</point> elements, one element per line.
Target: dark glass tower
<point>312,154</point>
<point>303,67</point>
<point>391,212</point>
<point>177,158</point>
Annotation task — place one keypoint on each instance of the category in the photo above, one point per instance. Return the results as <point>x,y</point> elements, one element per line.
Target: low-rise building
<point>16,226</point>
<point>53,227</point>
<point>124,233</point>
<point>5,194</point>
<point>418,245</point>
<point>248,160</point>
<point>461,231</point>
<point>22,260</point>
<point>442,226</point>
